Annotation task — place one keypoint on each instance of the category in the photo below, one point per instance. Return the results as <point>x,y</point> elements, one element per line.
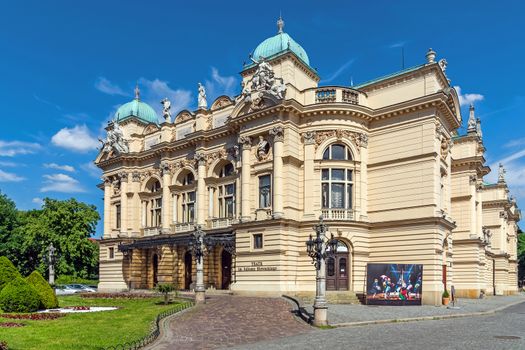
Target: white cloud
<point>514,165</point>
<point>219,85</point>
<point>9,164</point>
<point>59,167</point>
<point>104,85</point>
<point>468,99</point>
<point>338,71</point>
<point>152,91</point>
<point>12,148</point>
<point>9,177</point>
<point>38,200</point>
<point>77,139</point>
<point>515,143</point>
<point>92,170</point>
<point>61,183</point>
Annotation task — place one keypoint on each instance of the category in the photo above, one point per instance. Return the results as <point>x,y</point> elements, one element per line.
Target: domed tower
<point>137,109</point>
<point>288,59</point>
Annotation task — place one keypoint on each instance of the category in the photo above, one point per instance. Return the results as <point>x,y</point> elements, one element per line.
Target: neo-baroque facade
<point>381,161</point>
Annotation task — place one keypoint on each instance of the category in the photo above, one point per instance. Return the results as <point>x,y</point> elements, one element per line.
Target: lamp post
<point>318,249</point>
<point>51,257</point>
<point>197,247</point>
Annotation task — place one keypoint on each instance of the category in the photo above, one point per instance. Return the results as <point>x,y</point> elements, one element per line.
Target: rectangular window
<point>257,241</point>
<point>118,216</point>
<point>111,253</point>
<point>265,191</point>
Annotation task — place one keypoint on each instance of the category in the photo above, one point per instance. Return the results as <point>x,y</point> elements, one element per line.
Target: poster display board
<point>394,284</point>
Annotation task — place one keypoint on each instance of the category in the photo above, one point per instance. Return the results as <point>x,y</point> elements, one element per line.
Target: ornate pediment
<point>150,129</point>
<point>184,116</point>
<point>220,102</point>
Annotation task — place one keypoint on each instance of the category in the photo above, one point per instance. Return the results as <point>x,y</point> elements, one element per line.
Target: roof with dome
<point>137,109</point>
<point>282,42</point>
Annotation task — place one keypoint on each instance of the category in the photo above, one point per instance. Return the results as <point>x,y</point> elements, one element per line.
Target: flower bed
<point>122,295</point>
<point>3,345</point>
<point>11,325</point>
<point>34,317</point>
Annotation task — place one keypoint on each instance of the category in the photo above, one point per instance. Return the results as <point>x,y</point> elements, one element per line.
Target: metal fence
<point>155,331</point>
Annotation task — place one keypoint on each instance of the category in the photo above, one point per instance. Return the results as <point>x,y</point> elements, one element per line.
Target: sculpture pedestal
<point>200,297</point>
<point>320,316</point>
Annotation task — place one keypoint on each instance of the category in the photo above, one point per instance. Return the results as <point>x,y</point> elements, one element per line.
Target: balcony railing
<point>338,214</point>
<point>336,94</point>
<point>183,227</point>
<point>151,231</point>
<point>220,222</point>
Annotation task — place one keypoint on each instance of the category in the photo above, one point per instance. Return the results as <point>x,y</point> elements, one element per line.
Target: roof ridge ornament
<point>431,56</point>
<point>471,126</point>
<point>280,25</point>
<point>501,173</point>
<point>137,92</point>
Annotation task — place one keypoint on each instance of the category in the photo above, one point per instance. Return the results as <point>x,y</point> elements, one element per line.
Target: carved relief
<point>445,147</point>
<point>473,179</point>
<point>245,142</point>
<point>221,102</point>
<point>220,154</point>
<point>164,168</point>
<point>309,137</point>
<point>184,116</point>
<point>278,133</point>
<point>234,152</point>
<point>135,176</point>
<point>263,149</point>
<point>359,139</point>
<point>200,158</point>
<point>150,129</point>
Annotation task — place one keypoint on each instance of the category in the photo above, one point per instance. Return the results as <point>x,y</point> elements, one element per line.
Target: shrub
<point>46,293</point>
<point>19,296</point>
<point>3,345</point>
<point>166,289</point>
<point>445,294</point>
<point>8,272</point>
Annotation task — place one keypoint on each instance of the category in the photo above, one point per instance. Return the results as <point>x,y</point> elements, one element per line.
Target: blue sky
<point>66,66</point>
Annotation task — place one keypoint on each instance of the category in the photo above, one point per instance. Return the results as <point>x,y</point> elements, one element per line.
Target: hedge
<point>46,293</point>
<point>19,296</point>
<point>8,272</point>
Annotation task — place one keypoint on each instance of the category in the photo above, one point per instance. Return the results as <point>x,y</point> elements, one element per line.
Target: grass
<point>87,330</point>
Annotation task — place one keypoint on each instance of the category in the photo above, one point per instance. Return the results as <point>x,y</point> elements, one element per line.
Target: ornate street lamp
<point>198,248</point>
<point>51,259</point>
<point>318,249</point>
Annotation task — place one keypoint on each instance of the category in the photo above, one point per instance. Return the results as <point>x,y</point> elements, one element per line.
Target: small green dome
<point>279,43</point>
<point>138,109</point>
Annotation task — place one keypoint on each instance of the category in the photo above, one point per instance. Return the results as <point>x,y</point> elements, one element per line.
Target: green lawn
<point>86,330</point>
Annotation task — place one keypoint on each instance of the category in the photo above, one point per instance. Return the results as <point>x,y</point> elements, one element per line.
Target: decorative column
<point>363,144</point>
<point>211,191</point>
<point>165,172</point>
<point>51,259</point>
<point>246,144</point>
<point>278,144</point>
<point>310,180</point>
<point>196,245</point>
<point>124,202</point>
<point>136,204</point>
<point>201,188</point>
<point>107,207</point>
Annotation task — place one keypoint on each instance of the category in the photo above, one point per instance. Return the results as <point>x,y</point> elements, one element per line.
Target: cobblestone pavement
<point>226,321</point>
<point>504,330</point>
<point>354,313</point>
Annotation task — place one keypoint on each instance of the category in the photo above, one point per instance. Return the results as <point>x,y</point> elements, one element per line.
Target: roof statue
<point>501,173</point>
<point>202,103</point>
<point>431,56</point>
<point>115,140</point>
<point>472,125</point>
<point>443,64</point>
<point>263,81</point>
<point>137,92</point>
<point>478,127</point>
<point>166,106</point>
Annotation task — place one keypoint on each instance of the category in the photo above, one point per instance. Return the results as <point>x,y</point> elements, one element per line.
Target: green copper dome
<point>279,43</point>
<point>138,109</point>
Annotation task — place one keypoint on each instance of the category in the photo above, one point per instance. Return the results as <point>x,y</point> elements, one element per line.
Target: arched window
<point>337,152</point>
<point>337,183</point>
<point>189,179</point>
<point>188,198</point>
<point>153,205</point>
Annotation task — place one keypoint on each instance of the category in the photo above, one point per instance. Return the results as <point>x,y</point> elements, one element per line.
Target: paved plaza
<point>226,321</point>
<point>262,323</point>
<point>504,330</point>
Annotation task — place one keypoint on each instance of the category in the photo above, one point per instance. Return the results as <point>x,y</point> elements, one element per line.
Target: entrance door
<point>226,269</point>
<point>187,270</point>
<point>337,269</point>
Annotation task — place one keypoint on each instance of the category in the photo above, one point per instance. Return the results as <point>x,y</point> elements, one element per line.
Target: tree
<point>521,254</point>
<point>8,222</point>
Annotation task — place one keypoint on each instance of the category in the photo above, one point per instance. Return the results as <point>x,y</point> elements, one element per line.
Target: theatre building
<point>381,162</point>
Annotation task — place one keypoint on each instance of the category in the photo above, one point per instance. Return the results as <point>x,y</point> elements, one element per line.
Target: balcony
<point>336,94</point>
<point>151,231</point>
<point>183,227</point>
<point>220,222</point>
<point>338,214</point>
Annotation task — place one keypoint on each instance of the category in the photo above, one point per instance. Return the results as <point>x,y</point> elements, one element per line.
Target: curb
<point>163,327</point>
<point>424,318</point>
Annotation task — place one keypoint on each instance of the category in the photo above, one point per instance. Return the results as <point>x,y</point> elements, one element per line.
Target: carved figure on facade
<point>503,215</point>
<point>473,179</point>
<point>166,109</point>
<point>445,147</point>
<point>443,64</point>
<point>115,140</point>
<point>164,168</point>
<point>263,148</point>
<point>116,185</point>
<point>234,152</point>
<point>277,132</point>
<point>202,103</point>
<point>501,173</point>
<point>486,235</point>
<point>245,142</point>
<point>135,176</point>
<point>362,140</point>
<point>309,137</point>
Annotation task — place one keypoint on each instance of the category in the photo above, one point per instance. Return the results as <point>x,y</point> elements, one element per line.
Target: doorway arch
<point>337,268</point>
<point>187,270</point>
<point>226,269</point>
